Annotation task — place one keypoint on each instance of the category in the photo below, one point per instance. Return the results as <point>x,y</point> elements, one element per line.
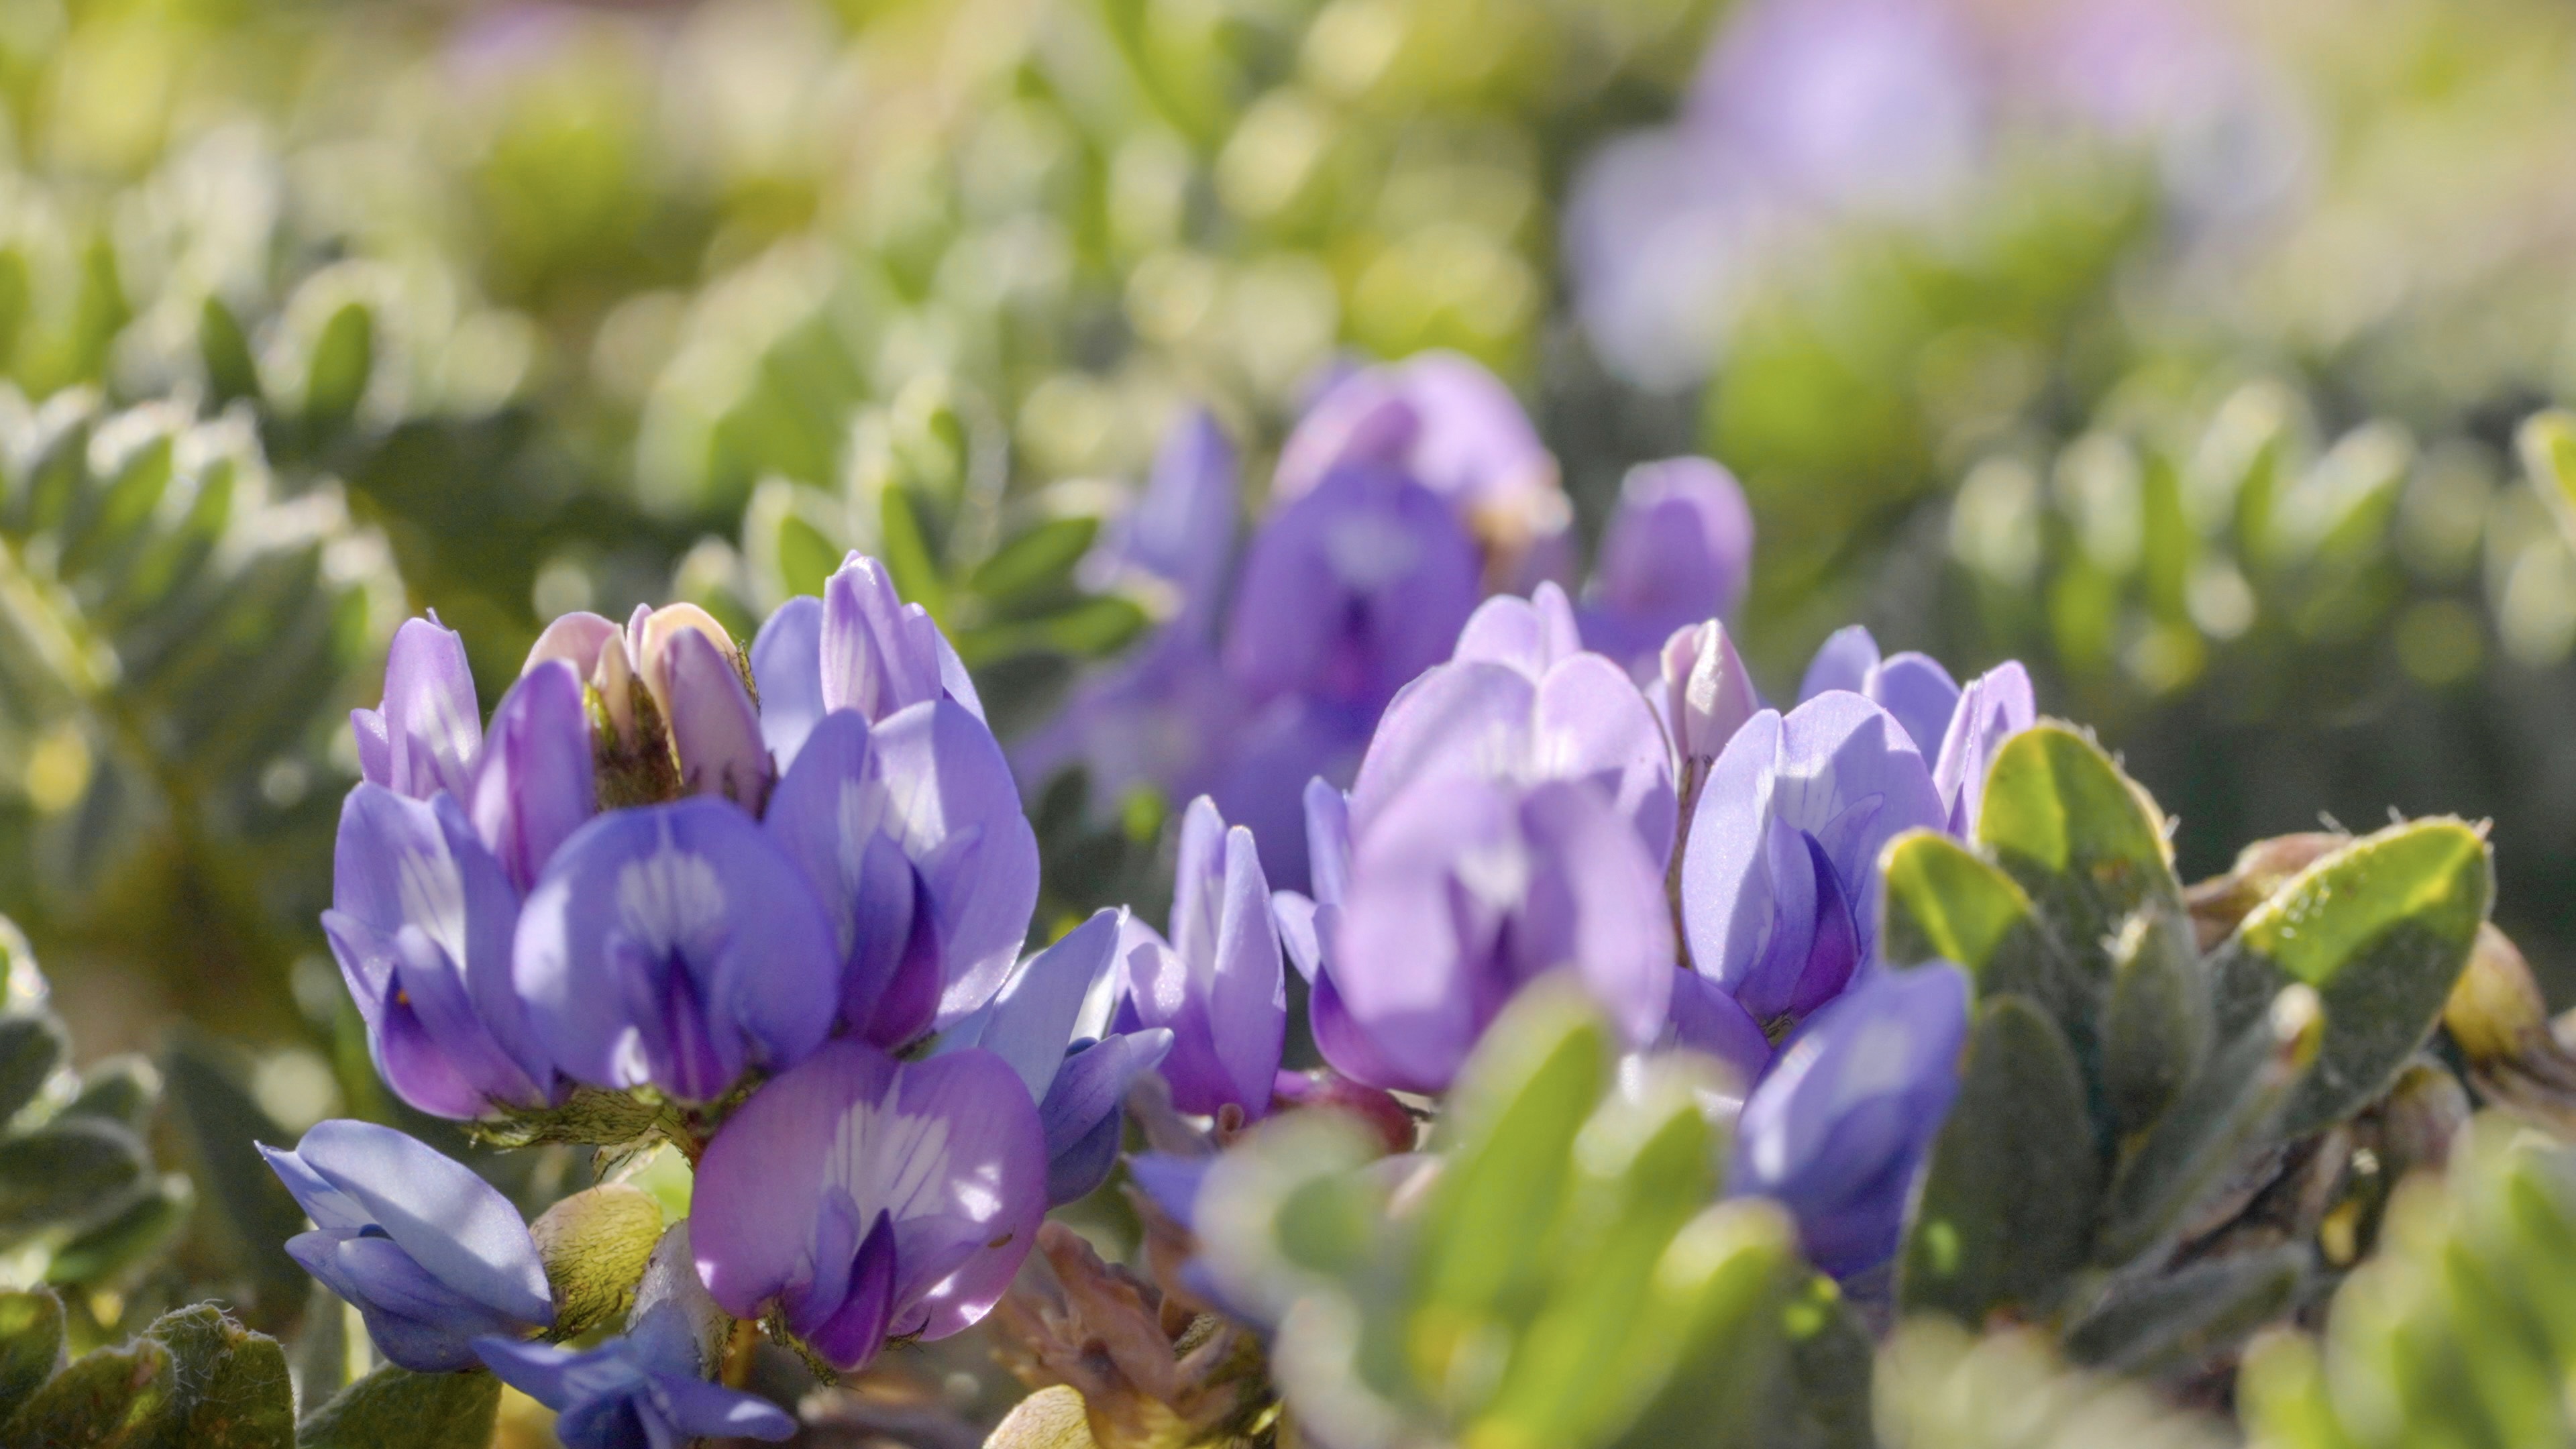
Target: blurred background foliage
<point>2177,349</point>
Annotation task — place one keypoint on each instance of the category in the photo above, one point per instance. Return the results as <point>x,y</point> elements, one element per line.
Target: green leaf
<point>1490,1231</point>
<point>222,1127</point>
<point>1984,1238</point>
<point>1943,903</point>
<point>2187,1317</point>
<point>806,559</point>
<point>225,349</point>
<point>343,356</point>
<point>2156,1027</point>
<point>144,1228</point>
<point>2079,836</point>
<point>122,1089</point>
<point>109,1398</point>
<point>394,1408</point>
<point>907,557</point>
<point>231,1386</point>
<point>2228,1109</point>
<point>1039,559</point>
<point>31,1345</point>
<point>31,1045</point>
<point>2381,929</point>
<point>1644,1166</point>
<point>70,1172</point>
<point>1708,1330</point>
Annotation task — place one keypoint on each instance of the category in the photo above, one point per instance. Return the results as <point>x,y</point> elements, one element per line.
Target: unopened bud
<point>1708,695</point>
<point>595,1245</point>
<point>2496,1010</point>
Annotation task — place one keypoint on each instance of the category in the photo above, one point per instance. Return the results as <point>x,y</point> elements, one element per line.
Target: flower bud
<point>1708,694</point>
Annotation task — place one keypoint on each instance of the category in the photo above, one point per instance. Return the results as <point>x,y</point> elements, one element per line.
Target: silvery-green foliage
<point>178,647</point>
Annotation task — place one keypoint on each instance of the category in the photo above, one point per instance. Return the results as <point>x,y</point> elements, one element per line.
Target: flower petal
<point>1844,662</point>
<point>454,1224</point>
<point>948,784</point>
<point>433,727</point>
<point>787,665</point>
<point>535,785</point>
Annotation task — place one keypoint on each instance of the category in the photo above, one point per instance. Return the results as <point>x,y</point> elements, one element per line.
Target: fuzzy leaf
<point>2156,1025</point>
<point>32,1043</point>
<point>31,1345</point>
<point>2079,836</point>
<point>2381,931</point>
<point>2184,1318</point>
<point>1983,1238</point>
<point>394,1408</point>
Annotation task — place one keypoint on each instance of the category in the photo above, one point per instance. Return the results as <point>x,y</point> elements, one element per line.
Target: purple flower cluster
<point>1405,494</point>
<point>668,867</point>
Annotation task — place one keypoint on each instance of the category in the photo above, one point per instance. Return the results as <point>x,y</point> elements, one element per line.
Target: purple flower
<point>1167,716</point>
<point>421,923</point>
<point>860,647</point>
<point>1518,704</point>
<point>909,832</point>
<point>1679,549</point>
<point>1455,897</point>
<point>1994,707</point>
<point>1050,1023</point>
<point>872,1199</point>
<point>690,671</point>
<point>1913,687</point>
<point>1453,427</point>
<point>1351,588</point>
<point>1837,1130</point>
<point>1779,879</point>
<point>425,736</point>
<point>646,1389</point>
<point>1179,534</point>
<point>429,1254</point>
<point>535,785</point>
<point>1217,984</point>
<point>675,946</point>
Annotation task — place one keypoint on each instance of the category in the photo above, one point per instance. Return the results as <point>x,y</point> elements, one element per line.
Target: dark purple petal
<point>879,654</point>
<point>1704,1018</point>
<point>667,938</point>
<point>1844,662</point>
<point>948,1148</point>
<point>1080,1116</point>
<point>430,726</point>
<point>1994,707</point>
<point>787,665</point>
<point>952,807</point>
<point>1837,1130</point>
<point>714,729</point>
<point>535,785</point>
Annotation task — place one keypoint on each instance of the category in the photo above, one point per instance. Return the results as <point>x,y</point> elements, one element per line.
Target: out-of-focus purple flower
<point>1779,883</point>
<point>1512,707</point>
<point>910,834</point>
<point>1169,716</point>
<point>426,735</point>
<point>535,785</point>
<point>860,647</point>
<point>1351,588</point>
<point>1050,1024</point>
<point>1994,707</point>
<point>1447,423</point>
<point>1913,687</point>
<point>1679,549</point>
<point>1705,1018</point>
<point>429,1254</point>
<point>421,922</point>
<point>675,946</point>
<point>1180,532</point>
<point>646,1389</point>
<point>1217,984</point>
<point>1875,107</point>
<point>1456,897</point>
<point>872,1199</point>
<point>1708,694</point>
<point>1837,1130</point>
